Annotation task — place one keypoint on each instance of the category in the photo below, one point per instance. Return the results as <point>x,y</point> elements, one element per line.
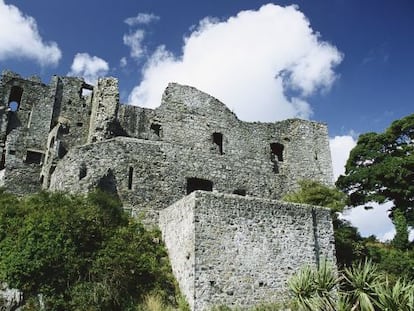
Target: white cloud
<point>20,38</point>
<point>141,19</point>
<point>249,62</point>
<point>340,146</point>
<point>134,41</point>
<point>123,62</point>
<point>88,67</point>
<point>374,221</point>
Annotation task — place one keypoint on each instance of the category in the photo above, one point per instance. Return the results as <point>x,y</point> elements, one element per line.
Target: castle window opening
<point>130,176</point>
<point>86,90</point>
<point>15,98</point>
<point>33,157</point>
<point>156,129</point>
<point>194,184</point>
<point>3,160</point>
<point>82,171</point>
<point>277,150</point>
<point>241,192</point>
<point>218,140</point>
<point>61,150</point>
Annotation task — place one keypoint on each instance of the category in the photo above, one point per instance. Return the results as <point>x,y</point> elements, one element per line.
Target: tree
<point>380,169</point>
<point>79,252</point>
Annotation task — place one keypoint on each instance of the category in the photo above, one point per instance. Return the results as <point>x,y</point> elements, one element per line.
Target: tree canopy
<point>79,253</point>
<point>380,169</point>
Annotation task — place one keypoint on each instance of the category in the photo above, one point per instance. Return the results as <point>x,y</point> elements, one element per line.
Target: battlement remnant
<point>71,136</point>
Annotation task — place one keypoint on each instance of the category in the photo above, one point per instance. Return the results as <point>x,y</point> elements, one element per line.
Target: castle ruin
<point>209,181</point>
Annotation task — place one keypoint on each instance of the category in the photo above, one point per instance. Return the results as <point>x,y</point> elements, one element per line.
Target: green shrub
<point>80,253</point>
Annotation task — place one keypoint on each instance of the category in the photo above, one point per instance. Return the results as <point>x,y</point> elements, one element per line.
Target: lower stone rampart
<point>240,251</point>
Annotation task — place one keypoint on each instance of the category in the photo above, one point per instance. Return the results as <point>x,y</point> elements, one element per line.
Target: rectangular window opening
<point>194,184</point>
<point>33,157</point>
<point>241,192</point>
<point>156,129</point>
<point>218,140</point>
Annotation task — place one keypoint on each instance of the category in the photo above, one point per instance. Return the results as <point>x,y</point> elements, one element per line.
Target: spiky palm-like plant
<point>360,281</point>
<point>315,289</point>
<point>398,297</point>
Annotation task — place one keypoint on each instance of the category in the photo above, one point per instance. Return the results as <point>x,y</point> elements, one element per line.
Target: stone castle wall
<point>224,248</point>
<point>240,251</point>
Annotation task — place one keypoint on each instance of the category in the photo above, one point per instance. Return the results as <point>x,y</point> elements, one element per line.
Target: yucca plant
<point>360,281</point>
<point>303,288</point>
<point>315,289</point>
<point>398,297</point>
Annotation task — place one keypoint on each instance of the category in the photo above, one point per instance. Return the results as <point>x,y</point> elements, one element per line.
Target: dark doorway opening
<point>277,150</point>
<point>194,184</point>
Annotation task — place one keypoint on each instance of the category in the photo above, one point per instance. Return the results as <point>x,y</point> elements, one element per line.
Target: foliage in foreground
<point>79,253</point>
<point>360,287</point>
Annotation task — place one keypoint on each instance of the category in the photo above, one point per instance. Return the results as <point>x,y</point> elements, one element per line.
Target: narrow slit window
<point>194,184</point>
<point>130,176</point>
<point>218,141</point>
<point>241,192</point>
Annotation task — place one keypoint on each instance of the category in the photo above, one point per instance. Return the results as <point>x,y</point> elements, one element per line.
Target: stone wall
<point>242,250</point>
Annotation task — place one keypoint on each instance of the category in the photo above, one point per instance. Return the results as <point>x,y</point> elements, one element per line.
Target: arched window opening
<point>218,140</point>
<point>15,98</point>
<point>194,184</point>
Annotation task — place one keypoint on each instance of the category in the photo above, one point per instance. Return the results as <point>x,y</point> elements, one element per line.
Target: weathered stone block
<point>240,251</point>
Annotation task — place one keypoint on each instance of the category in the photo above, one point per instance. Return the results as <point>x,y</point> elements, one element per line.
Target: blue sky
<point>347,63</point>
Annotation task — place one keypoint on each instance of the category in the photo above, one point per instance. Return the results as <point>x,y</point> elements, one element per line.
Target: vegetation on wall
<point>70,252</point>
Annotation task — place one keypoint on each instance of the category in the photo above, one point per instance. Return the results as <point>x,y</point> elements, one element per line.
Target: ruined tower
<point>229,243</point>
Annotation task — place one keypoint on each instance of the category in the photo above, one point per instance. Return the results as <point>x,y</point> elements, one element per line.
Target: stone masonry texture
<point>71,136</point>
<point>239,251</point>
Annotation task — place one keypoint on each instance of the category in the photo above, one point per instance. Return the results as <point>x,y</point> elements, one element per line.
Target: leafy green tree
<point>315,193</point>
<point>79,253</point>
<point>380,169</point>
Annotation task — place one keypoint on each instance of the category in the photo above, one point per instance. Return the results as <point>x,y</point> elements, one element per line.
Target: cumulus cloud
<point>340,147</point>
<point>134,41</point>
<point>141,19</point>
<point>251,62</point>
<point>20,38</point>
<point>88,67</point>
